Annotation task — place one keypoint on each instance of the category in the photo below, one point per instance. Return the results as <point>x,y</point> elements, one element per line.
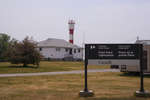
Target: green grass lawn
<point>106,86</point>
<point>45,66</point>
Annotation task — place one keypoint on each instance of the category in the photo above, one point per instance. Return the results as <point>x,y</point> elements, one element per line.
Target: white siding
<point>52,53</point>
<point>60,54</point>
<point>78,55</point>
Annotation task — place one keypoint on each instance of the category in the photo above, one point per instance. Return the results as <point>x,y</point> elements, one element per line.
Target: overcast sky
<point>97,21</point>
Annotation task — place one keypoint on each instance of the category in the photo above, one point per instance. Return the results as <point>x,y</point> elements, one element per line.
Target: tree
<point>24,52</point>
<point>4,44</point>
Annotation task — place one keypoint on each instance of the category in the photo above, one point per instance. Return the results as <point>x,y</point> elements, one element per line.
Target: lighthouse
<point>71,30</point>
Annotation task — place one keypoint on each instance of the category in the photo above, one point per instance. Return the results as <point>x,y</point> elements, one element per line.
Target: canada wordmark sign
<point>113,54</point>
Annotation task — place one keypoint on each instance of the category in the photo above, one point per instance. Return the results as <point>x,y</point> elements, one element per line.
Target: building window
<point>78,50</point>
<point>74,50</point>
<point>66,50</point>
<point>57,49</point>
<point>40,49</point>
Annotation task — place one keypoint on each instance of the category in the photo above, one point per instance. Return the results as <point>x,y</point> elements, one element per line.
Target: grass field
<point>106,86</point>
<point>45,66</point>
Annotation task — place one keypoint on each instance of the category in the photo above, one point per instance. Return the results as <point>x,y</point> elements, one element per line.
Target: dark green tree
<point>4,44</point>
<point>25,52</point>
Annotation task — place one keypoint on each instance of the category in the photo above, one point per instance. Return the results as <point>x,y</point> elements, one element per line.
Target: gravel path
<point>59,73</point>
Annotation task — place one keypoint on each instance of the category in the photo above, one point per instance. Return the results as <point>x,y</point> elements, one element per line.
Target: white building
<point>146,59</point>
<point>144,42</point>
<point>60,49</point>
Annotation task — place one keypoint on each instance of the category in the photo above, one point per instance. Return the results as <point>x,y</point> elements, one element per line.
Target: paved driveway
<point>59,73</point>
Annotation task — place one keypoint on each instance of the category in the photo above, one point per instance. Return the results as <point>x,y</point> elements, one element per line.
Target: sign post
<point>86,92</point>
<point>114,54</point>
<point>141,92</point>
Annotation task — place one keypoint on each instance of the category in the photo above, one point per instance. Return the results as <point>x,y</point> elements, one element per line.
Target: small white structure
<point>60,49</point>
<point>146,59</point>
<point>144,42</point>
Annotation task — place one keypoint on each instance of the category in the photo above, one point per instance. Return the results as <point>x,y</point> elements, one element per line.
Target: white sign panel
<point>114,62</point>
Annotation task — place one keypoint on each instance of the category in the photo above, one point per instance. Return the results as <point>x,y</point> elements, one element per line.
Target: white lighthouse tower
<point>71,30</point>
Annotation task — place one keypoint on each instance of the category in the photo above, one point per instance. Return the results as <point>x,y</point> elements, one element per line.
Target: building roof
<point>145,42</point>
<point>52,42</point>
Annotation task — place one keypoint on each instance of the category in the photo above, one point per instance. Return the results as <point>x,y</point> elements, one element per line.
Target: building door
<point>70,51</point>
